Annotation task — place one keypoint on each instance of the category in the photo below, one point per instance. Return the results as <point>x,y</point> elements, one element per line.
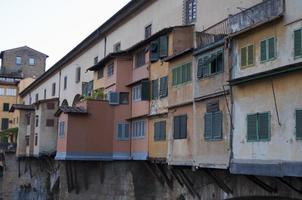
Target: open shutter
<point>298,42</point>
<point>271,48</point>
<point>154,54</point>
<point>217,125</point>
<point>220,61</point>
<point>113,98</point>
<point>189,72</point>
<point>163,46</point>
<point>252,127</point>
<point>163,91</point>
<point>299,124</point>
<point>183,127</point>
<point>250,51</point>
<point>263,126</point>
<point>263,50</point>
<point>176,125</point>
<point>243,56</point>
<point>163,130</point>
<point>208,126</point>
<point>154,89</point>
<point>145,90</point>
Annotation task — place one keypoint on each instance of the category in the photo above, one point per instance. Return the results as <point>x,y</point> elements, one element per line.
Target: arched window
<point>64,103</point>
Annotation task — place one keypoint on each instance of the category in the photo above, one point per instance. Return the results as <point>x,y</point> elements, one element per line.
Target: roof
<point>70,110</point>
<point>46,100</point>
<point>2,52</point>
<point>178,54</point>
<point>267,74</point>
<point>21,107</point>
<point>136,82</point>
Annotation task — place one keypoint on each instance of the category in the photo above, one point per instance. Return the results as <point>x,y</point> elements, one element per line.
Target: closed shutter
<point>179,75</point>
<point>199,68</point>
<point>163,92</point>
<point>184,73</point>
<point>243,56</point>
<point>145,90</point>
<point>263,50</point>
<point>250,52</point>
<point>208,126</point>
<point>298,42</point>
<point>271,48</point>
<point>189,72</point>
<point>263,126</point>
<point>174,76</point>
<point>220,62</point>
<point>183,127</point>
<point>163,46</point>
<point>299,124</point>
<point>163,130</point>
<point>155,89</point>
<point>217,125</point>
<point>154,54</point>
<point>252,127</point>
<point>176,128</point>
<point>156,131</point>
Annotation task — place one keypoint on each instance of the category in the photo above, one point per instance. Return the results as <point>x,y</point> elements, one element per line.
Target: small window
<point>182,74</point>
<point>213,126</point>
<point>4,123</point>
<point>18,60</point>
<point>65,82</point>
<point>2,91</point>
<point>299,124</point>
<point>11,92</point>
<point>180,127</point>
<point>124,97</point>
<point>117,47</point>
<point>137,93</point>
<point>37,98</point>
<point>36,139</point>
<point>247,56</point>
<point>50,122</point>
<point>101,73</point>
<point>110,70</point>
<point>138,129</point>
<point>140,58</point>
<point>148,31</point>
<point>37,120</point>
<point>61,129</point>
<point>298,43</point>
<point>191,11</point>
<point>210,65</point>
<point>268,49</point>
<point>160,131</point>
<point>96,60</point>
<point>5,107</point>
<point>78,74</point>
<point>258,127</point>
<point>31,61</point>
<point>113,98</point>
<point>53,89</point>
<point>45,93</point>
<point>123,131</point>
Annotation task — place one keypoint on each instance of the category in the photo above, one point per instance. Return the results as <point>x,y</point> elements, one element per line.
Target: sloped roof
<point>70,110</point>
<point>21,107</point>
<point>23,47</point>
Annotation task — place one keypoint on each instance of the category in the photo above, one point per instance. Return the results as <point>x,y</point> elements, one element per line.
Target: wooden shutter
<point>252,127</point>
<point>243,56</point>
<point>263,126</point>
<point>163,40</point>
<point>189,72</point>
<point>145,90</point>
<point>184,73</point>
<point>114,98</point>
<point>199,68</point>
<point>154,53</point>
<point>299,124</point>
<point>220,62</point>
<point>126,133</point>
<point>4,124</point>
<point>213,106</point>
<point>174,76</point>
<point>208,126</point>
<point>183,127</point>
<point>298,42</point>
<point>163,130</point>
<point>163,91</point>
<point>176,129</point>
<point>154,89</point>
<point>263,50</point>
<point>156,127</point>
<point>120,131</point>
<point>271,48</point>
<point>250,51</point>
<point>217,125</point>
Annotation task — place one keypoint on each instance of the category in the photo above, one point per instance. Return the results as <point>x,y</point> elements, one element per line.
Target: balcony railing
<point>251,17</point>
<point>11,71</point>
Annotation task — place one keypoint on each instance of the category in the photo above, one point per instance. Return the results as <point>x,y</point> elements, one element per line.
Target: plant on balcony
<point>96,95</point>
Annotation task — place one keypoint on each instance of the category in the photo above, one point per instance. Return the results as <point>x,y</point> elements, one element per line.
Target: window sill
<point>253,141</point>
<point>269,60</point>
<point>122,140</point>
<point>297,57</point>
<point>214,140</point>
<point>210,76</point>
<point>138,138</point>
<point>180,138</point>
<point>182,84</point>
<point>247,66</point>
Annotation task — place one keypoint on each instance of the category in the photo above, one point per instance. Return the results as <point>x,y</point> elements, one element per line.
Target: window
<point>50,122</point>
<point>210,65</point>
<point>61,129</point>
<point>101,73</point>
<point>191,11</point>
<point>50,106</point>
<point>299,124</point>
<point>110,70</point>
<point>117,47</point>
<point>148,31</point>
<point>27,140</point>
<point>247,56</point>
<point>159,48</point>
<point>182,74</point>
<point>5,107</point>
<point>140,58</point>
<point>37,121</point>
<point>137,93</point>
<point>2,91</point>
<point>138,129</point>
<point>96,60</point>
<point>258,127</point>
<point>36,139</point>
<point>65,82</point>
<point>124,97</point>
<point>30,100</point>
<point>268,49</point>
<point>180,127</point>
<point>87,88</point>
<point>113,98</point>
<point>4,123</point>
<point>160,131</point>
<point>154,89</point>
<point>163,87</point>
<point>53,89</point>
<point>31,61</point>
<point>11,92</point>
<point>37,97</point>
<point>122,131</point>
<point>298,43</point>
<point>18,60</point>
<point>78,74</point>
<point>213,125</point>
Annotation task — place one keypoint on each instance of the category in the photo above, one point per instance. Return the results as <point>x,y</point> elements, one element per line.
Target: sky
<point>53,27</point>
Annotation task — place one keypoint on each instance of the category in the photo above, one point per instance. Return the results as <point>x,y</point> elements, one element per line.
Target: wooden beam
<point>188,183</point>
<point>219,181</point>
<point>77,188</point>
<point>290,186</point>
<point>175,175</point>
<point>152,170</point>
<point>168,180</point>
<point>262,184</point>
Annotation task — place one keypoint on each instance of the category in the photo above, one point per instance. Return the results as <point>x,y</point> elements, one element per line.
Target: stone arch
<point>64,103</point>
<point>76,99</point>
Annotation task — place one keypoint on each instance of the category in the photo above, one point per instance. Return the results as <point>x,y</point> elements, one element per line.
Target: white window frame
<point>138,129</point>
<point>2,91</point>
<point>31,61</point>
<point>11,92</point>
<point>137,93</point>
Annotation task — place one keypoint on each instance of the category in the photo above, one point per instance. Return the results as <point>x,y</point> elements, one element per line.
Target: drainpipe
<point>60,74</point>
<point>105,47</point>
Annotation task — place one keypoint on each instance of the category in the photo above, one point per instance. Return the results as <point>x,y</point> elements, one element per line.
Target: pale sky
<point>53,27</point>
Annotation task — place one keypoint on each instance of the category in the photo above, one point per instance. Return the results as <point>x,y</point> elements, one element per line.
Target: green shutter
<point>298,42</point>
<point>174,76</point>
<point>163,130</point>
<point>179,75</point>
<point>271,48</point>
<point>163,46</point>
<point>126,133</point>
<point>176,129</point>
<point>263,50</point>
<point>252,127</point>
<point>217,125</point>
<point>243,56</point>
<point>145,90</point>
<point>154,53</point>
<point>155,89</point>
<point>156,127</point>
<point>299,124</point>
<point>189,72</point>
<point>208,126</point>
<point>250,52</point>
<point>263,126</point>
<point>199,68</point>
<point>163,91</point>
<point>183,127</point>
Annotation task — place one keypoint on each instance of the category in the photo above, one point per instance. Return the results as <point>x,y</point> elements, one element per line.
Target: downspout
<point>60,74</point>
<point>105,47</point>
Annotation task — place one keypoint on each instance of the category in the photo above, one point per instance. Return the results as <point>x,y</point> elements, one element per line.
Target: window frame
<point>158,137</point>
<point>298,56</point>
<point>117,47</point>
<point>142,134</point>
<point>100,73</point>
<point>78,75</point>
<point>110,72</point>
<point>65,83</point>
<point>7,124</point>
<point>53,89</point>
<point>247,56</point>
<point>29,61</point>
<point>139,53</point>
<point>174,133</point>
<point>148,32</point>
<point>135,89</point>
<point>182,82</point>
<point>257,127</point>
<point>16,61</point>
<point>61,129</point>
<point>5,107</point>
<point>266,39</point>
<point>188,10</point>
<point>123,137</point>
<point>221,51</point>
